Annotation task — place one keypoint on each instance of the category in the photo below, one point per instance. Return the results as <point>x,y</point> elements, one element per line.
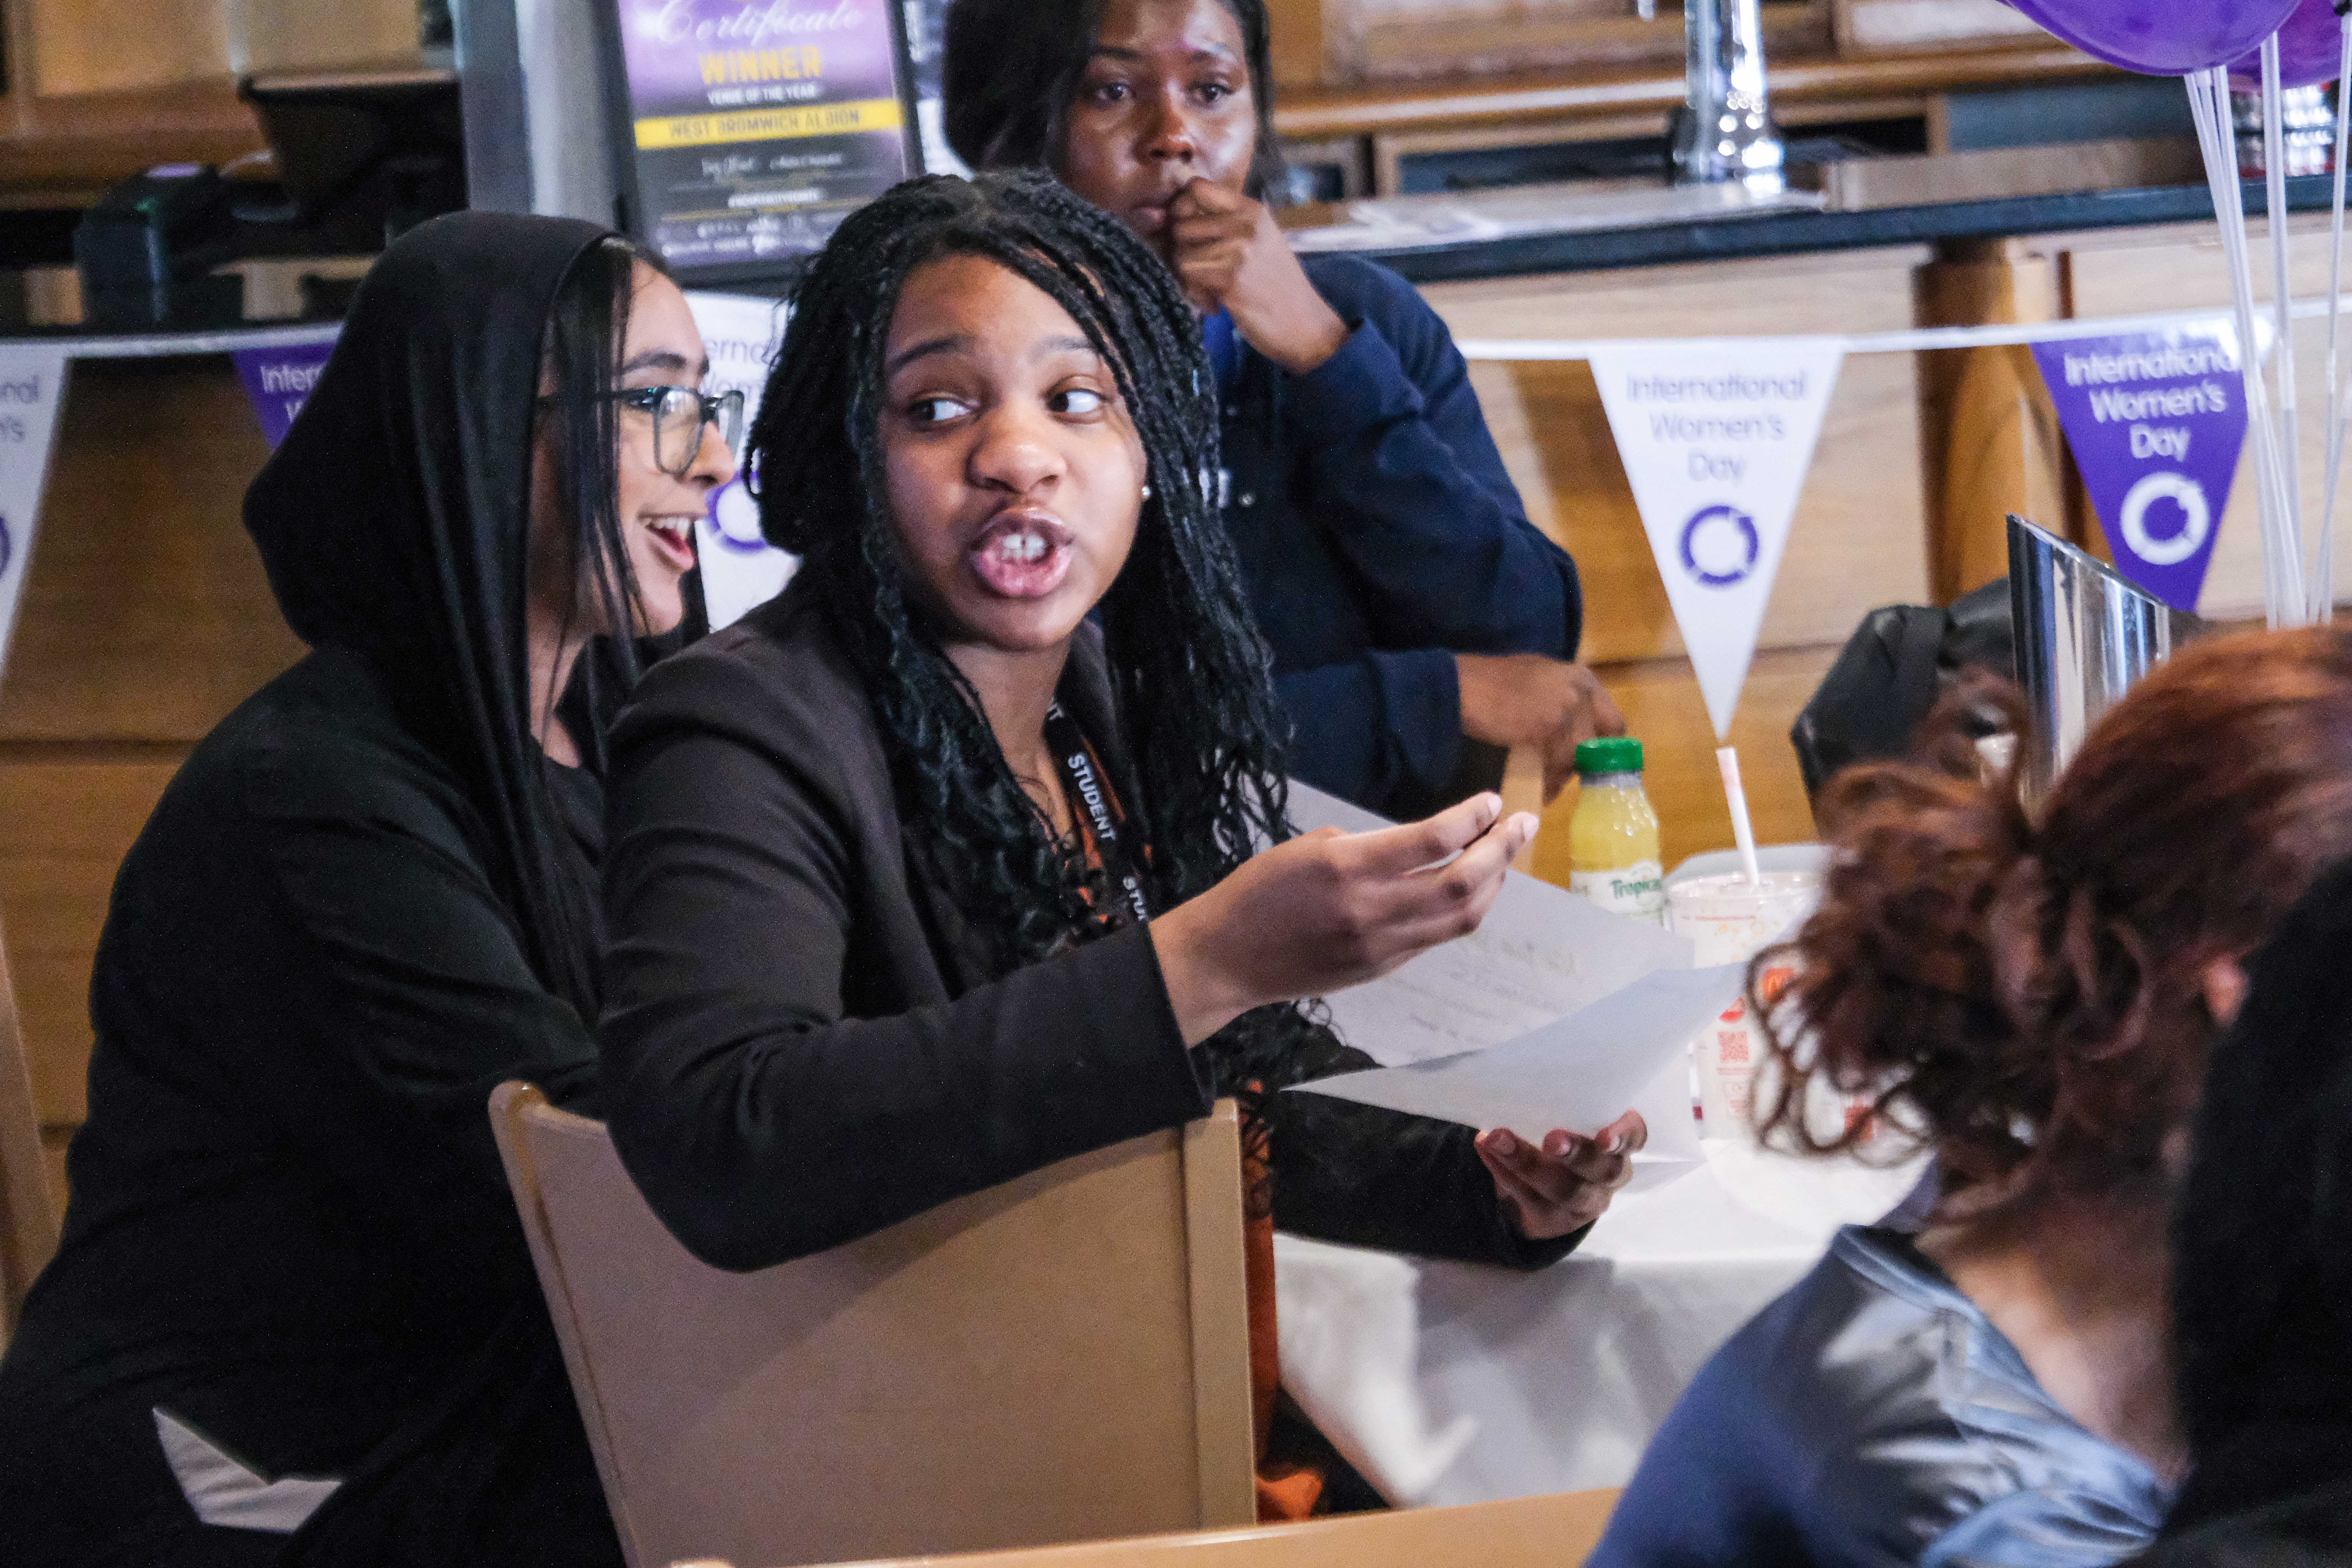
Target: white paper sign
<point>1581,1072</point>
<point>741,570</point>
<point>1541,954</point>
<point>1716,439</point>
<point>32,387</point>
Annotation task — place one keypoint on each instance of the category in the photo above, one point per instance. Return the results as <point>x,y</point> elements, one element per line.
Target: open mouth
<point>673,541</point>
<point>1022,554</point>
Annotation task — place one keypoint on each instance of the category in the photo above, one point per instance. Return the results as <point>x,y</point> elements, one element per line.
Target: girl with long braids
<point>1419,624</point>
<point>939,867</point>
<point>293,1319</point>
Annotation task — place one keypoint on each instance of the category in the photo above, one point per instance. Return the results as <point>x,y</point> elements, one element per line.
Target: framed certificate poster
<point>750,128</point>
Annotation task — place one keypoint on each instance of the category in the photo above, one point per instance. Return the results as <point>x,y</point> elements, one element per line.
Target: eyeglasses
<point>679,414</point>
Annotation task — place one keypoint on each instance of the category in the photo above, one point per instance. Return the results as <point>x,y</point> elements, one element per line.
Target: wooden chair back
<point>1064,1357</point>
<point>1555,1532</point>
<point>28,1216</point>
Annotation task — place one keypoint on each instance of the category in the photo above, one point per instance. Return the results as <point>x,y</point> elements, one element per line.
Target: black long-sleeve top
<point>289,1227</point>
<point>800,1046</point>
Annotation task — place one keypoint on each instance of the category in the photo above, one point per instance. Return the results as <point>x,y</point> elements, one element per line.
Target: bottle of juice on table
<point>1613,839</point>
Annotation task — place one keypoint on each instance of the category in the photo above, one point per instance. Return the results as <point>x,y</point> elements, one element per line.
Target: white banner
<point>32,387</point>
<point>741,570</point>
<point>1716,439</point>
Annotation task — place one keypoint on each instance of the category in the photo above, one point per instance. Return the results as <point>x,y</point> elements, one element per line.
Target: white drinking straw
<point>1743,832</point>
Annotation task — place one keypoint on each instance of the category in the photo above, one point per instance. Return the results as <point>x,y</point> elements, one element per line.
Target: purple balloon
<point>2161,37</point>
<point>2310,48</point>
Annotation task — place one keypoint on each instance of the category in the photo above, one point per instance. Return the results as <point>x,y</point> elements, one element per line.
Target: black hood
<point>393,520</point>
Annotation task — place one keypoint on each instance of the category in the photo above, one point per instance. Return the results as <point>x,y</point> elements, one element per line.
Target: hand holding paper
<point>1564,1184</point>
<point>1540,953</point>
<point>1331,909</point>
<point>1581,1072</point>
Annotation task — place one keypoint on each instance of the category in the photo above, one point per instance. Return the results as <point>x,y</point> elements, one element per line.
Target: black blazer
<point>800,1041</point>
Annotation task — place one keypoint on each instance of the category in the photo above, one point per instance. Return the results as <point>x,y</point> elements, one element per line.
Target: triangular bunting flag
<point>741,570</point>
<point>2155,421</point>
<point>279,381</point>
<point>32,387</point>
<point>1716,439</point>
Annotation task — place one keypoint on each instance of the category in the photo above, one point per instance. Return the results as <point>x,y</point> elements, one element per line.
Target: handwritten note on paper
<point>1579,1072</point>
<point>1541,954</point>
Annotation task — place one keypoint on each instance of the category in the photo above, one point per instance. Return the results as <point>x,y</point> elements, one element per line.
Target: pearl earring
<point>1147,493</point>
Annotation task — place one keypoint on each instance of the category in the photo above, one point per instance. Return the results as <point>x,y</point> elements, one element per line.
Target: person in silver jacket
<point>2032,995</point>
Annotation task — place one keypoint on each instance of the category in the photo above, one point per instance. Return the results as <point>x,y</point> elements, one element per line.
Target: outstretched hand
<point>1330,910</point>
<point>1564,1184</point>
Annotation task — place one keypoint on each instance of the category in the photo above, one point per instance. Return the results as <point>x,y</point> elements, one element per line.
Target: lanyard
<point>1089,794</point>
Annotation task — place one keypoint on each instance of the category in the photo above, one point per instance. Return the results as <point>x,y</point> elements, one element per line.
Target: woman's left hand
<point>1227,251</point>
<point>1565,1183</point>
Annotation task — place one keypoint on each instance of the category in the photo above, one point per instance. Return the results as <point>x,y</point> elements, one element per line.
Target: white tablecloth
<point>1449,1383</point>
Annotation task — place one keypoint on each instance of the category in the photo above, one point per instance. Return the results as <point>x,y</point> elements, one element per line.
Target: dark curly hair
<point>1205,780</point>
<point>2024,991</point>
<point>1012,70</point>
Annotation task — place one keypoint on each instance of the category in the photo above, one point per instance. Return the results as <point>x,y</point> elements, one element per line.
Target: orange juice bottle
<point>1613,839</point>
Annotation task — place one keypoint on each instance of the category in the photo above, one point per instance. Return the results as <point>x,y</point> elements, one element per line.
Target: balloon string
<point>2322,573</point>
<point>2219,157</point>
<point>2290,420</point>
<point>2208,102</point>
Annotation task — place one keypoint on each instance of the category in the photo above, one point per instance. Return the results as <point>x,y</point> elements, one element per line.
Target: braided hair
<point>1189,673</point>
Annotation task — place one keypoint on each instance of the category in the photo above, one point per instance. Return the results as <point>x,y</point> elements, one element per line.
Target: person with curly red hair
<point>2031,994</point>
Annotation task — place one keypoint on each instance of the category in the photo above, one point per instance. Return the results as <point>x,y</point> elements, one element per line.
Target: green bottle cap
<point>1610,754</point>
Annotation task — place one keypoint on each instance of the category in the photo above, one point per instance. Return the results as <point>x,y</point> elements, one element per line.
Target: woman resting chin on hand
<point>919,880</point>
<point>1410,608</point>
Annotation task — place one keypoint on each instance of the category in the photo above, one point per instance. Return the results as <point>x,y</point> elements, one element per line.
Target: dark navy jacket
<point>1379,535</point>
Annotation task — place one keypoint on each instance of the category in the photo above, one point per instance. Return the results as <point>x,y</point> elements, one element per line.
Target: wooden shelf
<point>71,148</point>
<point>1325,113</point>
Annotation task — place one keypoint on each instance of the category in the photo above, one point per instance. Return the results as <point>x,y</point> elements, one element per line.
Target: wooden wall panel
<point>92,46</point>
<point>145,619</point>
<point>146,616</point>
<point>63,829</point>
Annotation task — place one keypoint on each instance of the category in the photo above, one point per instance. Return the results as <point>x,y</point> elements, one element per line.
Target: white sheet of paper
<point>1541,954</point>
<point>1581,1072</point>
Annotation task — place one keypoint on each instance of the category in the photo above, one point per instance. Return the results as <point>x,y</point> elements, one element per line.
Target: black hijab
<point>394,521</point>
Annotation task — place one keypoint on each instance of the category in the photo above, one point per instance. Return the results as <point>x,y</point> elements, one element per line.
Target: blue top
<point>1379,535</point>
<point>1872,1416</point>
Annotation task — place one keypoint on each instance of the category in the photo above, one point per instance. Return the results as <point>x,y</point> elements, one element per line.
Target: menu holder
<point>745,134</point>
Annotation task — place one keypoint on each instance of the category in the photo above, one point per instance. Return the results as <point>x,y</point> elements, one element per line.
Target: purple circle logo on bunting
<point>2195,518</point>
<point>735,518</point>
<point>1719,546</point>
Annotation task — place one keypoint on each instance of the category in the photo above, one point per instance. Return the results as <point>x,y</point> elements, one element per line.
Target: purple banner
<point>760,125</point>
<point>2155,421</point>
<point>279,381</point>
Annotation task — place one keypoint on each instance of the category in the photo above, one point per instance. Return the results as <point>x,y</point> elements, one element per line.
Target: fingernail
<point>1614,1141</point>
<point>1504,1143</point>
<point>1559,1145</point>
